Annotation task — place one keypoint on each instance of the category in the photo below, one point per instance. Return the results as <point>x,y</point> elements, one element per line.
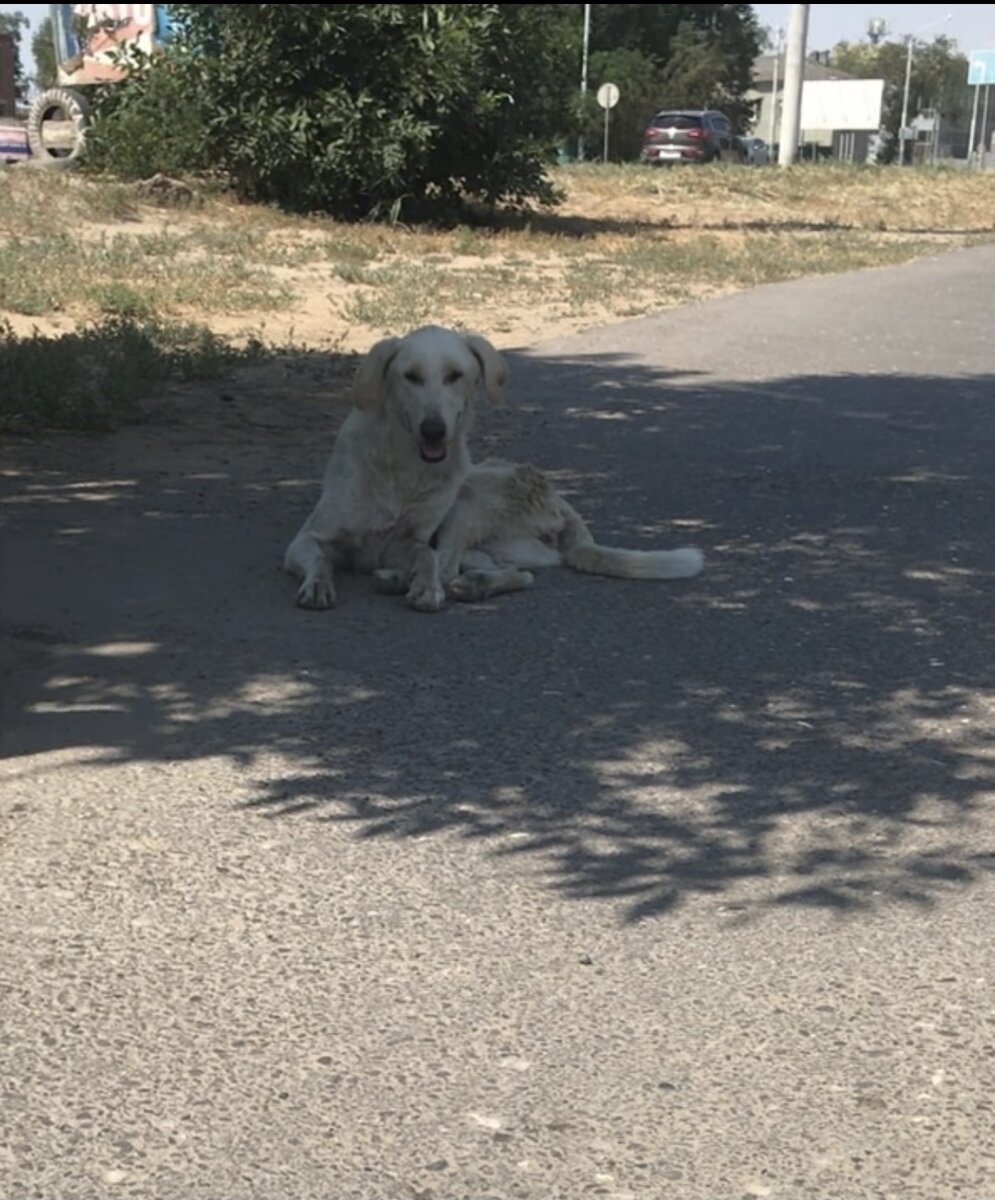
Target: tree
<point>638,80</point>
<point>938,80</point>
<point>15,23</point>
<point>670,55</point>
<point>43,50</point>
<point>363,109</point>
<point>705,52</point>
<point>700,73</point>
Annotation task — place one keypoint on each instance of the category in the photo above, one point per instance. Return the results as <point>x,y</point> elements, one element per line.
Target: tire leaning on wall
<point>57,124</point>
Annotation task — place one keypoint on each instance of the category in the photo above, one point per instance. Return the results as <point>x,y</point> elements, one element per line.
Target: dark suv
<point>690,135</point>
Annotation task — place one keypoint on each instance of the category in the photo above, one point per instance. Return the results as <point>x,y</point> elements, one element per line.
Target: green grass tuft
<point>96,377</point>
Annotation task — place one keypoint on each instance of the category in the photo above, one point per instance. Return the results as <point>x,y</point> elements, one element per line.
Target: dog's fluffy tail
<point>580,551</point>
<point>635,564</point>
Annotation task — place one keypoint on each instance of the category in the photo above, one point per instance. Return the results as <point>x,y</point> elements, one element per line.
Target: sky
<point>34,12</point>
<point>972,25</point>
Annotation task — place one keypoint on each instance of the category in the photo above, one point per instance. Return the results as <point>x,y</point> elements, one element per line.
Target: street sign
<point>981,68</point>
<point>608,95</point>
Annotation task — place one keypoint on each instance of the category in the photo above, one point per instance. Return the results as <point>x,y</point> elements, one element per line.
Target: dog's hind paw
<point>390,583</point>
<point>471,587</point>
<point>474,586</point>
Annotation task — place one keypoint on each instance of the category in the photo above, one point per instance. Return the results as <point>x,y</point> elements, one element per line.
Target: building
<point>8,86</point>
<point>768,120</point>
<point>841,115</point>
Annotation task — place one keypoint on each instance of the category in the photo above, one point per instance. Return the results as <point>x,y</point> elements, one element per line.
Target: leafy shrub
<point>94,377</point>
<point>379,109</point>
<point>155,121</point>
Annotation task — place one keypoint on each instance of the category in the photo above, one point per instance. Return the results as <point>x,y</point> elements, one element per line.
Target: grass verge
<point>95,377</point>
<point>629,240</point>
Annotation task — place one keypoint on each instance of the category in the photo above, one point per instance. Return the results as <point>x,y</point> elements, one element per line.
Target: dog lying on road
<point>401,499</point>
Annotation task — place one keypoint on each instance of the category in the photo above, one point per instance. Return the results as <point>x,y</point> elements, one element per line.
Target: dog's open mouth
<point>433,450</point>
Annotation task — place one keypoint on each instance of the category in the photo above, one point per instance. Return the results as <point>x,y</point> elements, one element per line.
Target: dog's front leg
<point>308,559</point>
<point>426,593</point>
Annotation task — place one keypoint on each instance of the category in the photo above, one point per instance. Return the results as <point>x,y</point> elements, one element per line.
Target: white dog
<point>397,466</point>
<point>402,500</point>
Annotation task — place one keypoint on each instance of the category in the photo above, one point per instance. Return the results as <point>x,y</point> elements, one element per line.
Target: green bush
<point>155,121</point>
<point>93,378</point>
<point>383,109</point>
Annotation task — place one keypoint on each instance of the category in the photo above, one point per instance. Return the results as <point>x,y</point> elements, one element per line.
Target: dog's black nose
<point>433,429</point>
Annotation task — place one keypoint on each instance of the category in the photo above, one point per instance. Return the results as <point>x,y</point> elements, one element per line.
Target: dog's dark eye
<point>413,377</point>
<point>454,376</point>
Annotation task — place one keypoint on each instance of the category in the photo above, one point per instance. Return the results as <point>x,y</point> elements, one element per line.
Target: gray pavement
<point>628,890</point>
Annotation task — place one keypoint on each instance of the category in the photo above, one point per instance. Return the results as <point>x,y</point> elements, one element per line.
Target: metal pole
<point>910,39</point>
<point>773,95</point>
<point>794,71</point>
<point>974,124</point>
<point>984,129</point>
<point>905,103</point>
<point>608,113</point>
<point>583,71</point>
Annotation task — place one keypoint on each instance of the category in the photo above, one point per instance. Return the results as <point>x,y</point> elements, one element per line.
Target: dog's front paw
<point>316,594</point>
<point>428,599</point>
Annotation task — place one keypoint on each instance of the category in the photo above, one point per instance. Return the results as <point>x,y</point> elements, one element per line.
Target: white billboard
<point>841,104</point>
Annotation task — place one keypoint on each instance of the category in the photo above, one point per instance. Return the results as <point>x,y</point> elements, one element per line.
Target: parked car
<point>690,135</point>
<point>755,151</point>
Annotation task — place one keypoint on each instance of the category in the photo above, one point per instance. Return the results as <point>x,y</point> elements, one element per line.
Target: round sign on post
<point>608,95</point>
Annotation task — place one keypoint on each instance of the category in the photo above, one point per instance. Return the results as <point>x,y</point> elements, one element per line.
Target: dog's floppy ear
<point>492,366</point>
<point>370,380</point>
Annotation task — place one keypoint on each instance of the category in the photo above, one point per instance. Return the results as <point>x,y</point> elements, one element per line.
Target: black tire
<point>45,109</point>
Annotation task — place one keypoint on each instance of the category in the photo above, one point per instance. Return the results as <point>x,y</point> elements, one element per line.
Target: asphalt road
<point>626,890</point>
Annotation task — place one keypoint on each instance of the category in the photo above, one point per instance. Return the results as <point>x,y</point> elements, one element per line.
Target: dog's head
<point>426,383</point>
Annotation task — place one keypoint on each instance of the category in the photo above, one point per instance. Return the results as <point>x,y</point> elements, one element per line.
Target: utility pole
<point>974,126</point>
<point>794,74</point>
<point>910,41</point>
<point>778,48</point>
<point>583,72</point>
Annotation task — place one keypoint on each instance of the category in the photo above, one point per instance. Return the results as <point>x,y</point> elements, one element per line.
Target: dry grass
<point>628,240</point>
<point>139,275</point>
<point>870,199</point>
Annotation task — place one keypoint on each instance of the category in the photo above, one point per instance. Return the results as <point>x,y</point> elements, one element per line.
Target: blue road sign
<point>981,68</point>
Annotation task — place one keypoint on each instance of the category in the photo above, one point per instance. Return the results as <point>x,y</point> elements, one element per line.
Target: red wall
<point>8,94</point>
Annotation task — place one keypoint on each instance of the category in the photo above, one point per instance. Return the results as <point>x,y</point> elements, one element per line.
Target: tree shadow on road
<point>807,724</point>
